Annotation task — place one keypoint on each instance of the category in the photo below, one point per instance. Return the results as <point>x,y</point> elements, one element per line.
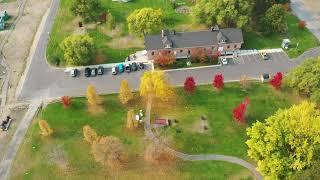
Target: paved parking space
<point>254,59</point>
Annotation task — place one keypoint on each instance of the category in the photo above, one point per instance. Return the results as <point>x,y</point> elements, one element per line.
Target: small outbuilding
<point>285,43</point>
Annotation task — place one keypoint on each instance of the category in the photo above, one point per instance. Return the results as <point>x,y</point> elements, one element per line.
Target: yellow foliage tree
<point>89,134</point>
<point>244,82</point>
<point>45,128</point>
<point>93,99</point>
<point>109,151</point>
<point>125,93</point>
<point>130,124</point>
<point>156,83</point>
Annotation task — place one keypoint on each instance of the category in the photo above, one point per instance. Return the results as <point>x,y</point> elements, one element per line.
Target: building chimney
<point>162,33</point>
<point>174,32</point>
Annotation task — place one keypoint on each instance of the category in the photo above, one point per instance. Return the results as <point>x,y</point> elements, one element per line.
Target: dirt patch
<point>183,10</point>
<point>116,32</point>
<point>312,5</point>
<point>17,48</point>
<point>58,157</point>
<point>191,27</point>
<point>16,113</point>
<point>201,126</point>
<point>125,42</point>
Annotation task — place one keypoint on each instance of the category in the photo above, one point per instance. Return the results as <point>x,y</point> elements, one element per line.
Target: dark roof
<point>193,39</point>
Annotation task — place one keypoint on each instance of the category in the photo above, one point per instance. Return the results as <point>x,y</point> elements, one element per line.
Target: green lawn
<point>46,158</point>
<point>66,24</point>
<point>224,135</point>
<point>304,37</point>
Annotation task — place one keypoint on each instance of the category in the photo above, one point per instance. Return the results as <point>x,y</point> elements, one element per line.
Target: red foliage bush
<point>302,24</point>
<point>276,81</point>
<point>218,81</point>
<point>164,58</point>
<point>240,111</point>
<point>66,101</point>
<point>189,84</point>
<point>199,55</point>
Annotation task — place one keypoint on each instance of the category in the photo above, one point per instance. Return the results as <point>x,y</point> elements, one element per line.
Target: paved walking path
<point>198,157</point>
<point>14,145</point>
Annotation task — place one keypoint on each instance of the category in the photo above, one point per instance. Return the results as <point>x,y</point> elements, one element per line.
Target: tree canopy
<point>306,78</point>
<point>155,83</point>
<point>89,10</point>
<point>287,142</point>
<point>145,20</point>
<point>274,20</point>
<point>226,13</point>
<point>78,49</point>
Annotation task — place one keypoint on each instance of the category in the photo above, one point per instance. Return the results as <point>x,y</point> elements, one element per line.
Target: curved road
<point>198,157</point>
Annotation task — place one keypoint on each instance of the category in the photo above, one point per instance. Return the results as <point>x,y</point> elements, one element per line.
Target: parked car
<point>114,70</point>
<point>74,72</point>
<point>224,61</point>
<point>134,67</point>
<point>100,70</point>
<point>6,124</point>
<point>94,72</point>
<point>141,65</point>
<point>128,68</point>
<point>120,68</point>
<point>265,56</point>
<point>87,72</point>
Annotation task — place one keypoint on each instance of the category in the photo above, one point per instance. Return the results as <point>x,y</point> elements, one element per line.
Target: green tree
<point>287,142</point>
<point>274,20</point>
<point>145,20</point>
<point>78,49</point>
<point>235,13</point>
<point>306,78</point>
<point>311,173</point>
<point>89,10</point>
<point>260,7</point>
<point>111,23</point>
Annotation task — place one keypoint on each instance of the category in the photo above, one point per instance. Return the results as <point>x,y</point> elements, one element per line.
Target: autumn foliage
<point>302,24</point>
<point>131,123</point>
<point>199,55</point>
<point>240,111</point>
<point>276,81</point>
<point>164,58</point>
<point>109,151</point>
<point>189,84</point>
<point>45,129</point>
<point>93,100</point>
<point>66,101</point>
<point>89,134</point>
<point>125,93</point>
<point>218,82</point>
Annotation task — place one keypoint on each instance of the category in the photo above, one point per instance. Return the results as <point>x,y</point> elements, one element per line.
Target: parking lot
<point>256,58</point>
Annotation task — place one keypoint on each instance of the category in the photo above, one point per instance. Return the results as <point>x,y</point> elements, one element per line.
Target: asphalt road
<point>42,81</point>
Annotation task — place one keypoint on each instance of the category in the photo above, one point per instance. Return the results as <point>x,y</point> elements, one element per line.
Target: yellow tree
<point>130,123</point>
<point>93,99</point>
<point>155,83</point>
<point>125,93</point>
<point>45,129</point>
<point>89,134</point>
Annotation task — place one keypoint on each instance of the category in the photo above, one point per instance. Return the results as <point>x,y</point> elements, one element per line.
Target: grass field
<point>224,136</point>
<point>65,155</point>
<point>66,24</point>
<point>304,37</point>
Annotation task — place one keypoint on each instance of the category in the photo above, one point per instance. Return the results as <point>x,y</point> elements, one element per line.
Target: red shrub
<point>164,58</point>
<point>66,101</point>
<point>218,81</point>
<point>302,24</point>
<point>189,84</point>
<point>239,112</point>
<point>199,55</point>
<point>276,81</point>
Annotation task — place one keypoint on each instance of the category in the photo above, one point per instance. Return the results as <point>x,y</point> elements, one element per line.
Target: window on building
<point>235,46</point>
<point>169,52</point>
<point>228,47</point>
<point>181,50</point>
<point>188,51</point>
<point>152,53</point>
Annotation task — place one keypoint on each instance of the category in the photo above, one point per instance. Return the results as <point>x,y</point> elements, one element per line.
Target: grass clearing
<point>223,136</point>
<point>66,155</point>
<point>304,37</point>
